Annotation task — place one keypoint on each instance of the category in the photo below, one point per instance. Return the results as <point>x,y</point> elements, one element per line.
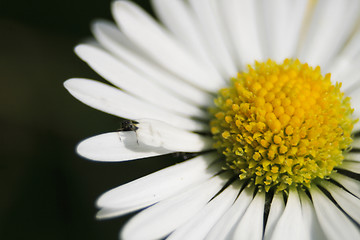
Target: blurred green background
<point>47,191</point>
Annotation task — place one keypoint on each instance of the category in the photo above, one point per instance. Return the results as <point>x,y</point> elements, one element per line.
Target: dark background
<point>46,190</point>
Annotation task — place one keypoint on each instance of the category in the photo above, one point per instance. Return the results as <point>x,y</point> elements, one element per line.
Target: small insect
<point>128,126</point>
<point>185,155</point>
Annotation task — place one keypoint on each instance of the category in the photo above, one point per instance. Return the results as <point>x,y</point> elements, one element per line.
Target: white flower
<point>165,77</point>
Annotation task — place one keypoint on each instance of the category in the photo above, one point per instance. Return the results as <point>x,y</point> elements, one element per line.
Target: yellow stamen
<point>282,125</point>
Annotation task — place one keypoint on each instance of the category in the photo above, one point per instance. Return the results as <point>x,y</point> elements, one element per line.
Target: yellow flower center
<point>282,125</point>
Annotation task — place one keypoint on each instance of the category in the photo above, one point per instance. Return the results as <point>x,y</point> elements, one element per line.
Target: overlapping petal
<point>112,39</point>
<point>334,223</point>
<point>113,101</point>
<point>117,147</point>
<point>161,219</point>
<point>161,47</point>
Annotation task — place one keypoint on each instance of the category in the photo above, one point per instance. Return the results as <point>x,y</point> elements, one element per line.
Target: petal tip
<point>68,83</point>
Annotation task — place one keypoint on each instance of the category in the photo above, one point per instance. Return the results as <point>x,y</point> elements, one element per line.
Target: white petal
<point>113,101</point>
<point>349,203</point>
<point>161,184</point>
<point>330,26</point>
<point>350,166</point>
<point>355,101</point>
<point>356,143</point>
<point>291,224</point>
<point>106,213</point>
<point>115,42</point>
<point>282,23</point>
<point>344,68</point>
<point>336,225</point>
<point>136,84</point>
<point>310,219</point>
<point>111,38</point>
<point>120,146</point>
<point>251,224</point>
<point>201,223</point>
<point>225,226</point>
<point>350,184</point>
<point>158,44</point>
<point>350,79</point>
<point>159,134</point>
<point>276,209</point>
<point>212,27</point>
<point>242,20</point>
<point>162,218</point>
<point>352,156</point>
<point>349,53</point>
<point>356,127</point>
<point>178,19</point>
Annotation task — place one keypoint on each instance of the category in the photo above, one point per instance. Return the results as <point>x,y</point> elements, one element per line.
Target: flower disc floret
<point>282,125</point>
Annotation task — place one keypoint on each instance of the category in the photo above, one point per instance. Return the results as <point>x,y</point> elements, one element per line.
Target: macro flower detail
<point>260,98</point>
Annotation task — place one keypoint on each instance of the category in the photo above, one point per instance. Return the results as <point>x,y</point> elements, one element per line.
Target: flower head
<point>261,98</point>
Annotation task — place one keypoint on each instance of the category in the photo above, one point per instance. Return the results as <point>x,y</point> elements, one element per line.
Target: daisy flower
<point>261,100</point>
